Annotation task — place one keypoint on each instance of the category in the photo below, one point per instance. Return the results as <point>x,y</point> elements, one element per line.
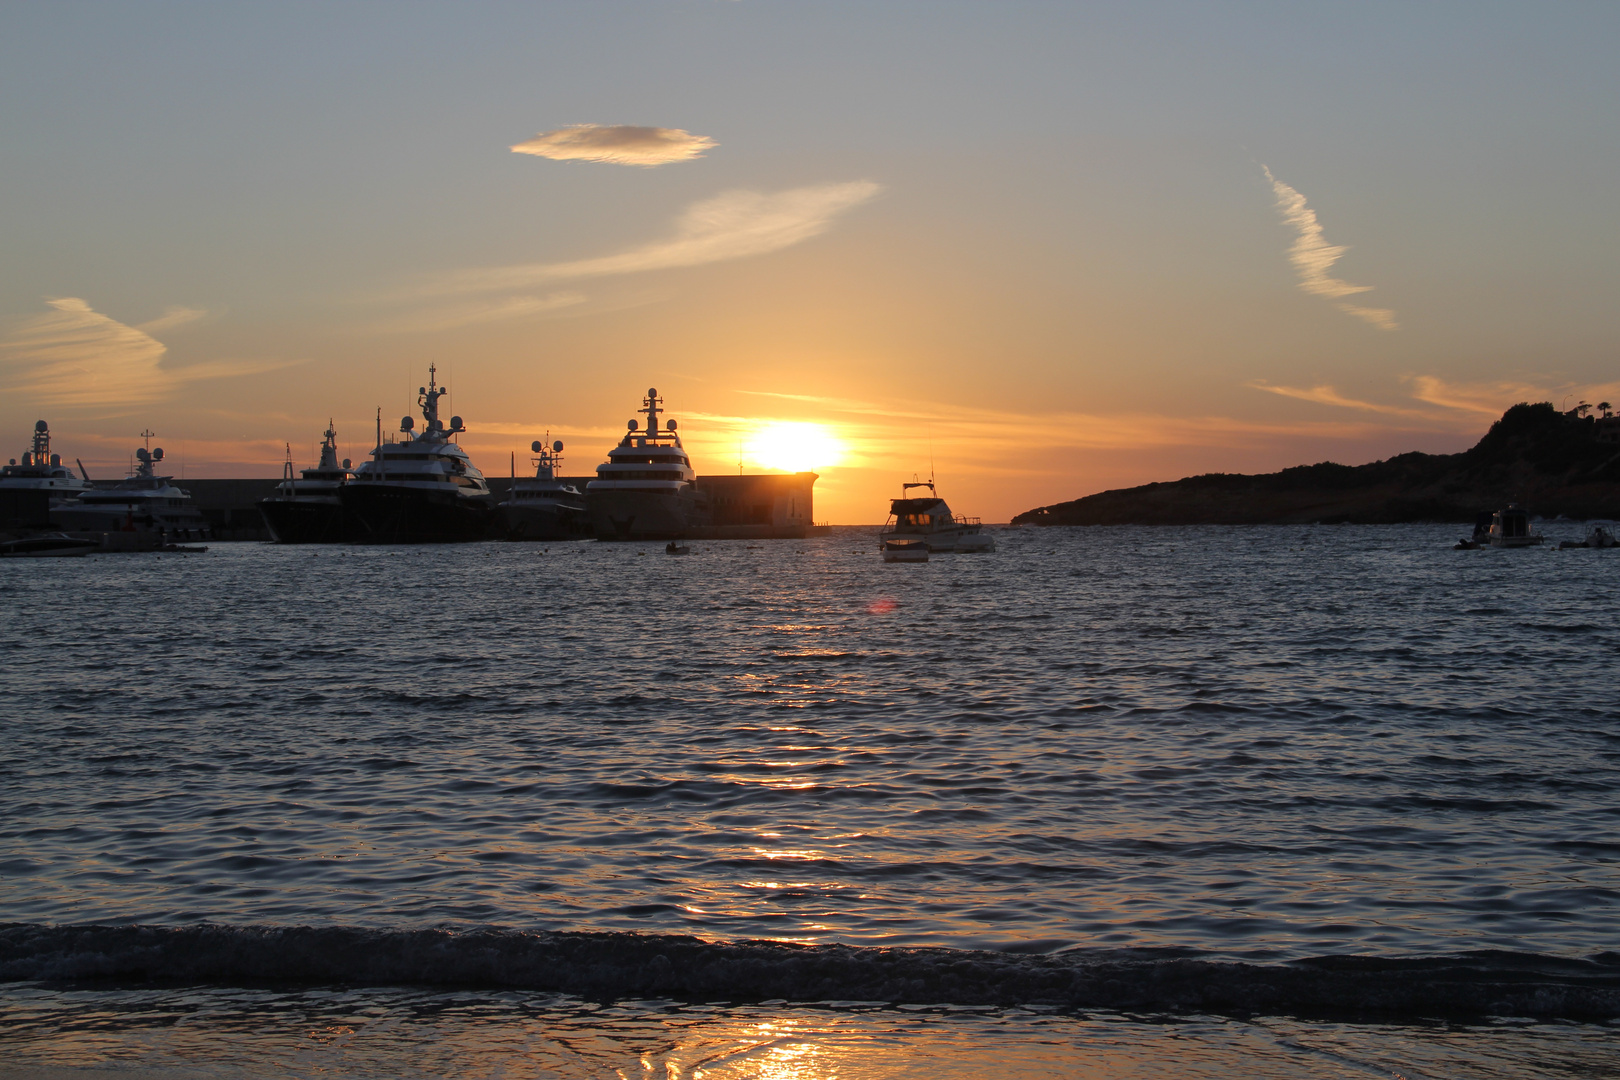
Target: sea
<point>1303,801</point>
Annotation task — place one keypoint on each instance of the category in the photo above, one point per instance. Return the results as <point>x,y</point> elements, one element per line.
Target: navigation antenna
<point>286,468</point>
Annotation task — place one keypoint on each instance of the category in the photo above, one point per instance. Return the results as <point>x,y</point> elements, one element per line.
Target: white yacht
<point>928,519</point>
<point>647,489</point>
<point>307,510</point>
<point>41,470</point>
<point>544,506</point>
<point>142,502</point>
<point>422,488</point>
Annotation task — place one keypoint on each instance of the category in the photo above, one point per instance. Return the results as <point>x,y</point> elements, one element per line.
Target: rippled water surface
<point>1248,742</point>
<point>207,1034</point>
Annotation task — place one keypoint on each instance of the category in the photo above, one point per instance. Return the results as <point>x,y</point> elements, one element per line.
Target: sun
<point>794,446</point>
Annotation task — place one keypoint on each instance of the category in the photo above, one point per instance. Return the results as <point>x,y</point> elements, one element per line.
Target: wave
<point>617,965</point>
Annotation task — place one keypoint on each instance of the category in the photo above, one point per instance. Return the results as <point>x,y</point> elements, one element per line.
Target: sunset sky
<point>1044,249</point>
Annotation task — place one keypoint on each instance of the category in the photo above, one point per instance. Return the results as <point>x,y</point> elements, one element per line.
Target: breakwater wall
<point>748,506</point>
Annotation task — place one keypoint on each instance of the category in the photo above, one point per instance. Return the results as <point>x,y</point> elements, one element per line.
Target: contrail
<point>1313,257</point>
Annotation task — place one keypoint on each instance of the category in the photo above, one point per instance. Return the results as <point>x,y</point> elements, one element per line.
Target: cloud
<point>73,355</point>
<point>1327,395</point>
<point>173,317</point>
<point>1493,398</point>
<point>732,225</point>
<point>617,144</point>
<point>502,310</point>
<point>1313,257</point>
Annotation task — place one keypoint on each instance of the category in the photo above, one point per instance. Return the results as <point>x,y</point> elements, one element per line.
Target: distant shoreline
<point>1553,464</point>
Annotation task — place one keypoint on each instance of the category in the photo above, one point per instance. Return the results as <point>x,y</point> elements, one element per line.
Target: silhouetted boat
<point>543,506</point>
<point>142,502</point>
<point>41,470</point>
<point>928,519</point>
<point>49,546</point>
<point>309,510</point>
<point>423,489</point>
<point>646,490</point>
<point>1510,528</point>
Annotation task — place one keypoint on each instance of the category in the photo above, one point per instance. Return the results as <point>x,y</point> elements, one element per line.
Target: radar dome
<point>634,425</point>
<point>41,425</point>
<point>157,455</point>
<point>406,423</point>
<point>455,423</point>
<point>141,454</point>
<point>652,391</point>
<point>346,463</point>
<point>534,447</point>
<point>556,447</point>
<point>670,424</point>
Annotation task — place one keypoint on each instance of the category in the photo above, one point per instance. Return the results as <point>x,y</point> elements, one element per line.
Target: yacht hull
<point>642,515</point>
<point>545,522</point>
<point>382,514</point>
<point>171,523</point>
<point>304,521</point>
<point>949,541</point>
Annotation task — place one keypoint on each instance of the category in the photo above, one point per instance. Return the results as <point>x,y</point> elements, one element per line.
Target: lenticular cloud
<point>617,144</point>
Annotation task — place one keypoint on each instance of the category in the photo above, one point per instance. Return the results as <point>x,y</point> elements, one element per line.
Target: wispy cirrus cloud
<point>1327,395</point>
<point>617,144</point>
<point>732,225</point>
<point>73,355</point>
<point>455,316</point>
<point>1313,257</point>
<point>1493,398</point>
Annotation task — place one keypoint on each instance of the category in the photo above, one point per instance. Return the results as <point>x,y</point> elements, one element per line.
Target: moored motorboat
<point>1599,536</point>
<point>544,506</point>
<point>308,510</point>
<point>1510,528</point>
<point>48,546</point>
<point>423,488</point>
<point>905,551</point>
<point>927,518</point>
<point>647,489</point>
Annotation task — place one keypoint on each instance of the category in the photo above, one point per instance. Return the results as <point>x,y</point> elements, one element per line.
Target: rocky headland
<point>1549,462</point>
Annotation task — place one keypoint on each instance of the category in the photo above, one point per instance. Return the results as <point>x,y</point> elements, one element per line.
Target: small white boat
<point>905,551</point>
<point>928,519</point>
<point>1510,528</point>
<point>1599,537</point>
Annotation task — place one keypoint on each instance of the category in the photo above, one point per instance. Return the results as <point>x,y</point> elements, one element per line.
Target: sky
<point>1036,250</point>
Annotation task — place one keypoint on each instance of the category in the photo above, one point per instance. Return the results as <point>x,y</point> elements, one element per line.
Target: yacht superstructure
<point>543,506</point>
<point>647,489</point>
<point>421,489</point>
<point>928,519</point>
<point>308,510</point>
<point>142,502</point>
<point>41,470</point>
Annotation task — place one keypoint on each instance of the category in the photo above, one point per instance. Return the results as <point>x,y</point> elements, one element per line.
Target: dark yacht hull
<point>304,521</point>
<point>382,514</point>
<point>546,522</point>
<point>642,515</point>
